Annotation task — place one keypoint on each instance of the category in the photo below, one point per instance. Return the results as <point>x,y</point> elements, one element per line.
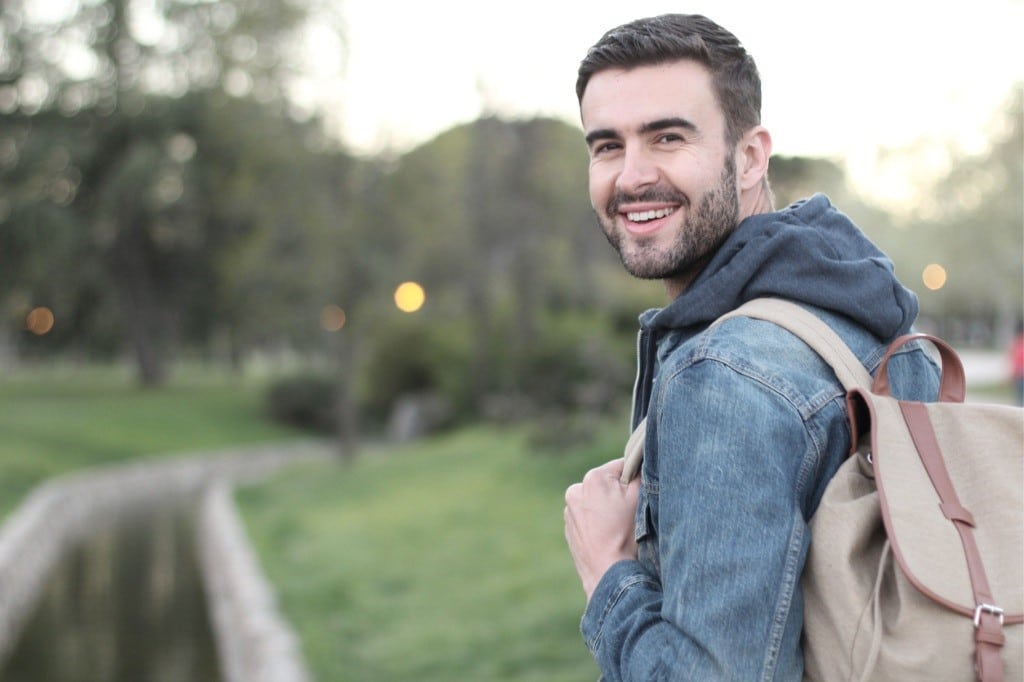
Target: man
<point>692,571</point>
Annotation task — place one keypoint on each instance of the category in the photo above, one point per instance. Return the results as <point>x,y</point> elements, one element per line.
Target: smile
<point>644,216</point>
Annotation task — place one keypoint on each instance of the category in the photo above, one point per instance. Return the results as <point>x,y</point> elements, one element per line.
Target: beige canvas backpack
<point>916,563</point>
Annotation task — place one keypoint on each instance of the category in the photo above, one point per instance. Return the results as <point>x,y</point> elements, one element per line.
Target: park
<point>272,409</point>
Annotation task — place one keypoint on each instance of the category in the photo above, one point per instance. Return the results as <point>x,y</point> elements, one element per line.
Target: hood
<point>808,253</point>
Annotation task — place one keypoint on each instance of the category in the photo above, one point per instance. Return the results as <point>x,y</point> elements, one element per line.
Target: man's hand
<point>599,522</point>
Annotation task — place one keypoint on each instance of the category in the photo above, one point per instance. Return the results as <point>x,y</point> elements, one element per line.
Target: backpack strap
<point>813,331</point>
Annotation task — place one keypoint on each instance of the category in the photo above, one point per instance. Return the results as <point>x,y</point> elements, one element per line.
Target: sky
<point>840,80</point>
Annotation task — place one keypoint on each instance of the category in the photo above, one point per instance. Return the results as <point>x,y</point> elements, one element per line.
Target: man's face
<point>662,180</point>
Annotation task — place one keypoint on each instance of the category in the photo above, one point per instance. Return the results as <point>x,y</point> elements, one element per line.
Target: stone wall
<point>254,643</point>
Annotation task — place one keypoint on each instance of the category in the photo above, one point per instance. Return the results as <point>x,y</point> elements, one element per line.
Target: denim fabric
<point>746,424</point>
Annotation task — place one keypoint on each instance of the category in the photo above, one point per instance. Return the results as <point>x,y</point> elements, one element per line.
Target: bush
<point>307,402</point>
<point>572,362</point>
<point>409,356</point>
<point>575,364</point>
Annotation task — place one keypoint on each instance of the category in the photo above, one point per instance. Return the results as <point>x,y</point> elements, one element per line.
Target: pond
<point>126,605</point>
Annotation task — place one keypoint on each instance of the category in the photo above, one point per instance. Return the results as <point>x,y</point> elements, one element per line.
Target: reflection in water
<point>125,606</point>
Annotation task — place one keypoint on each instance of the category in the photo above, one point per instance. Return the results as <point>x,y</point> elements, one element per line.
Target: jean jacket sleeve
<point>731,455</point>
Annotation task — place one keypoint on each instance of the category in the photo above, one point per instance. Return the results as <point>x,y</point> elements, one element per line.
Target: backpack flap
<point>985,469</point>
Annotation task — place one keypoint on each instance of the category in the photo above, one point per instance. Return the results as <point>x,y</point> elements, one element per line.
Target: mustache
<point>653,195</point>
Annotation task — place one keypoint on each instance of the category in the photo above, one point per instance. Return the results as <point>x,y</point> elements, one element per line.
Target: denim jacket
<point>745,426</point>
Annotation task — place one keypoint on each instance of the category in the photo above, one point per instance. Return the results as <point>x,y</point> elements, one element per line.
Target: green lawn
<point>54,420</point>
<point>440,561</point>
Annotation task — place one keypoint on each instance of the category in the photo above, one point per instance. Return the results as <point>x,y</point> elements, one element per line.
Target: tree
<point>108,80</point>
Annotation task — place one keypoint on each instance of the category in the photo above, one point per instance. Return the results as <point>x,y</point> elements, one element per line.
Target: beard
<point>699,236</point>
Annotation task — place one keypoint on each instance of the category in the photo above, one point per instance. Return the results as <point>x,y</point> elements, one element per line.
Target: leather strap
<point>988,618</point>
<point>953,385</point>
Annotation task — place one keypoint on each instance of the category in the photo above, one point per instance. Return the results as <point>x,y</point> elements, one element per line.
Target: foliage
<point>439,561</point>
<point>576,362</point>
<point>306,402</point>
<point>410,356</point>
<point>109,158</point>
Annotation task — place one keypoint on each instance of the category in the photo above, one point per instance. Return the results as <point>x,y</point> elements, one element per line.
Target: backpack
<point>916,564</point>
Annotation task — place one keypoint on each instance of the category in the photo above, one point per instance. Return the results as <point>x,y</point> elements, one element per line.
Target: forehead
<point>626,99</point>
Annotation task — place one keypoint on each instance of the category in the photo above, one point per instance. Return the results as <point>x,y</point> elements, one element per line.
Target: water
<point>126,605</point>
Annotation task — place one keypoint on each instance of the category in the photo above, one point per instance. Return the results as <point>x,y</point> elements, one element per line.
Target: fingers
<point>573,493</point>
<point>608,470</point>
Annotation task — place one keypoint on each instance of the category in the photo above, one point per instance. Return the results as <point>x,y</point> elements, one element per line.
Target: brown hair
<point>674,37</point>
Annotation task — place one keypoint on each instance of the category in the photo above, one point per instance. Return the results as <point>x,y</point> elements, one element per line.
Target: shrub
<point>307,402</point>
<point>409,356</point>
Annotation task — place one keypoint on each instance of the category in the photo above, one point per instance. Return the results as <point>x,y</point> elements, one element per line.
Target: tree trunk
<point>144,320</point>
<point>346,409</point>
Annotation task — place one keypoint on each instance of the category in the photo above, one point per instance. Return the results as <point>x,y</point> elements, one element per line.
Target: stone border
<point>60,512</point>
<point>254,642</point>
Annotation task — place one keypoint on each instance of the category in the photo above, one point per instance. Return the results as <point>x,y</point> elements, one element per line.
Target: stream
<point>125,605</point>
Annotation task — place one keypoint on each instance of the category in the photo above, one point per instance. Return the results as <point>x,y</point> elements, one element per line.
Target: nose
<point>638,171</point>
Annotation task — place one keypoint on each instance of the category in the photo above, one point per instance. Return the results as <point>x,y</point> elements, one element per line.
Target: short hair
<point>674,37</point>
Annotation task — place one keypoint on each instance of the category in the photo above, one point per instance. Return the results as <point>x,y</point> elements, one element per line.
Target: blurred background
<point>243,222</point>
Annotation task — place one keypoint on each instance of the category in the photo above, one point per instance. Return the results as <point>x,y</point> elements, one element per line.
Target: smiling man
<point>692,571</point>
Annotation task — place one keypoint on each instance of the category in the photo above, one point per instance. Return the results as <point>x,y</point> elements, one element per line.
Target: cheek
<point>601,184</point>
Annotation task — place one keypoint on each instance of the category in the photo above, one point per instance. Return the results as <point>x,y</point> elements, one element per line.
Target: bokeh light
<point>332,318</point>
<point>934,276</point>
<point>409,297</point>
<point>39,320</point>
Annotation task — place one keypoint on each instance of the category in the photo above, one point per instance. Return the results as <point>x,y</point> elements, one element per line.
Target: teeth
<point>644,216</point>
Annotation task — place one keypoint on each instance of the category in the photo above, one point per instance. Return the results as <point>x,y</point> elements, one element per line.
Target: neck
<point>758,200</point>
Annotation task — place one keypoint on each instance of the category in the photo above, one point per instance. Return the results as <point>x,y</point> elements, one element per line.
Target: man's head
<point>677,155</point>
<point>677,37</point>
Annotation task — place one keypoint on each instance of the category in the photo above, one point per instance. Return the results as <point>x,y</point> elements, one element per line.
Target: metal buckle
<point>987,608</point>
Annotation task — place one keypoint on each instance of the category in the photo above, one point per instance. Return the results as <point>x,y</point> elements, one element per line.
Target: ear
<point>752,154</point>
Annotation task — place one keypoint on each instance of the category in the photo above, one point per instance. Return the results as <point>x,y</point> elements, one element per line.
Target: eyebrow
<point>664,123</point>
<point>650,127</point>
<point>600,134</point>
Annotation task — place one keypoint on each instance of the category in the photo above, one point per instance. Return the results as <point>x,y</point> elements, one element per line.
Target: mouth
<point>641,220</point>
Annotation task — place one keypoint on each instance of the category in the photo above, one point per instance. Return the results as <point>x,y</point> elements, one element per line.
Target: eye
<point>606,147</point>
<point>669,138</point>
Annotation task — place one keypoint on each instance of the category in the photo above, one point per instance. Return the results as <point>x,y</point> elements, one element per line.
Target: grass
<point>439,561</point>
<point>55,420</point>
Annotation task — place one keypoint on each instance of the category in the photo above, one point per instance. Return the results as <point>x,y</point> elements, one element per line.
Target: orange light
<point>409,297</point>
<point>39,321</point>
<point>332,318</point>
<point>934,276</point>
